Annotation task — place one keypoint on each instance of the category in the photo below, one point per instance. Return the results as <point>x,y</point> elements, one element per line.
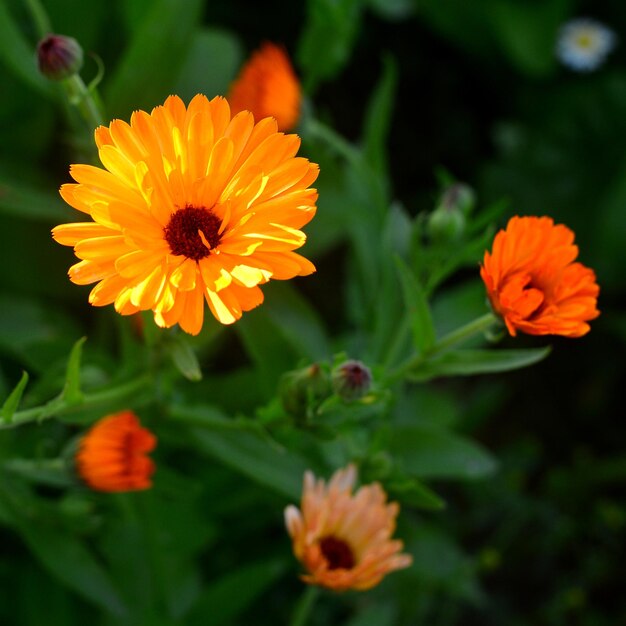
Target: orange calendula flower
<point>112,454</point>
<point>268,86</point>
<point>533,282</point>
<point>344,539</point>
<point>191,206</point>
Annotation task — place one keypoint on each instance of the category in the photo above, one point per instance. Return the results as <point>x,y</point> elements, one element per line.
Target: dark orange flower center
<point>337,553</point>
<point>131,452</point>
<point>193,232</point>
<point>523,294</point>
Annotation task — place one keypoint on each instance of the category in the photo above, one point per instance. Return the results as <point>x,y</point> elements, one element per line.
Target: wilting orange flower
<point>533,282</point>
<point>344,539</point>
<point>192,206</point>
<point>112,454</point>
<point>268,86</point>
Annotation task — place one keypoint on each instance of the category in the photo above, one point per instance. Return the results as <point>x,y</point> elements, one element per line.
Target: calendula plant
<point>235,414</point>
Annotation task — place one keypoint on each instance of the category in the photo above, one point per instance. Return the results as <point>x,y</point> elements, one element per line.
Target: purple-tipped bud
<point>351,380</point>
<point>59,57</point>
<point>459,196</point>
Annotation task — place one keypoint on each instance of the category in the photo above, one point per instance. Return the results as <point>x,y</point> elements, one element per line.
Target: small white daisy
<point>583,44</point>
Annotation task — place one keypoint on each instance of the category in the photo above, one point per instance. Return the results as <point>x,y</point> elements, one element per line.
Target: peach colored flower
<point>344,539</point>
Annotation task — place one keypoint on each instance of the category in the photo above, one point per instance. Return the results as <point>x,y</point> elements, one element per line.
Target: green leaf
<point>376,615</point>
<point>19,55</point>
<point>12,402</point>
<point>20,200</point>
<point>430,452</point>
<point>393,9</point>
<point>378,119</point>
<point>440,563</point>
<point>297,321</point>
<point>247,452</point>
<point>161,43</point>
<point>224,600</point>
<point>411,491</point>
<point>66,557</point>
<point>133,11</point>
<point>184,357</point>
<point>211,64</point>
<point>465,24</point>
<point>327,40</point>
<point>528,32</point>
<point>46,471</point>
<point>467,254</point>
<point>73,563</point>
<point>267,348</point>
<point>251,455</point>
<point>417,308</point>
<point>71,392</point>
<point>469,362</point>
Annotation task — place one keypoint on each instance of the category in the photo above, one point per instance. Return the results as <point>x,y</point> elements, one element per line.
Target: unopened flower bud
<point>302,390</point>
<point>445,225</point>
<point>447,222</point>
<point>459,196</point>
<point>351,380</point>
<point>59,57</point>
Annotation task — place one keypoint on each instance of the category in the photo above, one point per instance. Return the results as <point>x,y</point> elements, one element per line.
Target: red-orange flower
<point>267,86</point>
<point>344,539</point>
<point>112,454</point>
<point>533,282</point>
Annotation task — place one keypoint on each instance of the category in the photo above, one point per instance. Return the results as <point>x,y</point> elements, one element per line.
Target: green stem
<point>317,130</point>
<point>48,465</point>
<point>303,607</point>
<point>398,343</point>
<point>40,18</point>
<point>460,335</point>
<point>59,406</point>
<point>475,327</point>
<point>143,504</point>
<point>85,99</point>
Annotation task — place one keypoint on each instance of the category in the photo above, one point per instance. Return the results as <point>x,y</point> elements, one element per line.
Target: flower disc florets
<point>192,232</point>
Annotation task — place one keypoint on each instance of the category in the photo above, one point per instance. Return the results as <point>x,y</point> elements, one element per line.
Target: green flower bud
<point>351,380</point>
<point>59,57</point>
<point>447,222</point>
<point>459,196</point>
<point>301,391</point>
<point>445,225</point>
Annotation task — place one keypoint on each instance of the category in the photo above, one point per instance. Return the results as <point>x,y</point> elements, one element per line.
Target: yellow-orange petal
<point>185,199</point>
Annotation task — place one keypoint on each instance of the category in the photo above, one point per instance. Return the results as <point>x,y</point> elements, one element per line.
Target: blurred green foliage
<point>511,482</point>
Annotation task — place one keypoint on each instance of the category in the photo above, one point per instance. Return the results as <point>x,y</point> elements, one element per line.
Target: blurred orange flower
<point>344,539</point>
<point>191,206</point>
<point>267,85</point>
<point>112,454</point>
<point>533,282</point>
